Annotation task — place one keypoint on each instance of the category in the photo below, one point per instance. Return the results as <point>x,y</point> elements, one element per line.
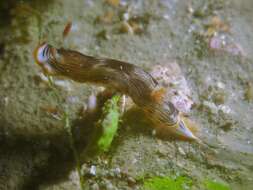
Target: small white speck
<point>220,85</point>
<point>191,10</point>
<point>134,161</point>
<point>74,27</point>
<point>93,170</point>
<point>225,109</point>
<point>117,170</point>
<point>126,16</point>
<point>92,102</point>
<point>167,17</point>
<point>6,101</point>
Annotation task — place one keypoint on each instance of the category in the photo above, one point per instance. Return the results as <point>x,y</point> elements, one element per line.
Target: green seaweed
<point>214,185</point>
<point>167,183</point>
<point>106,128</point>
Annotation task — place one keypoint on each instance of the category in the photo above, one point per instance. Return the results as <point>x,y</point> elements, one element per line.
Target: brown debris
<point>114,3</point>
<point>248,94</point>
<point>107,18</point>
<point>217,25</point>
<point>67,29</point>
<point>52,111</point>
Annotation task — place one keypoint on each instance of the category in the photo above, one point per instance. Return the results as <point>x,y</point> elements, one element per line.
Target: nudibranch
<point>121,76</point>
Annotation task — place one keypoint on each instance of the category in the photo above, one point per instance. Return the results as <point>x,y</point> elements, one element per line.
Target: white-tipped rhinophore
<point>42,56</point>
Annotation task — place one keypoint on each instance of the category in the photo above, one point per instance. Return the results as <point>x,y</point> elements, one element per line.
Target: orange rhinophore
<point>158,95</point>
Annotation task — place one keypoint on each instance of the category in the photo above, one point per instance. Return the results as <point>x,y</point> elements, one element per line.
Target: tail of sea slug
<point>168,122</point>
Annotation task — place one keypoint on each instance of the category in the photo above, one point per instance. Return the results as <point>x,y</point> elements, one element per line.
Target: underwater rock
<point>22,97</point>
<point>224,43</point>
<point>170,77</point>
<point>18,165</point>
<point>95,186</point>
<point>248,94</point>
<point>114,3</point>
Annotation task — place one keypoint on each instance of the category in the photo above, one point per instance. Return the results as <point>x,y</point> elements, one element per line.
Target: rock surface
<point>35,152</point>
